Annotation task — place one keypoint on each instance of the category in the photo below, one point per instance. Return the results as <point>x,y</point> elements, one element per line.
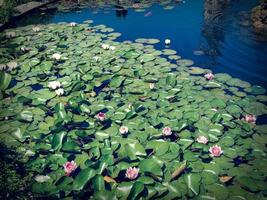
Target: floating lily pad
<point>196,70</point>
<point>106,106</point>
<point>185,62</point>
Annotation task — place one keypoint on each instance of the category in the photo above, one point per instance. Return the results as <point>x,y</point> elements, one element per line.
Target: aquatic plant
<point>140,6</point>
<point>209,76</point>
<point>105,46</point>
<point>70,167</point>
<point>124,130</point>
<point>202,139</point>
<point>132,173</point>
<point>74,144</point>
<point>56,56</point>
<point>215,151</point>
<point>73,24</point>
<point>54,85</point>
<point>167,42</point>
<point>167,131</point>
<point>250,119</point>
<point>36,29</point>
<point>42,178</point>
<point>101,116</point>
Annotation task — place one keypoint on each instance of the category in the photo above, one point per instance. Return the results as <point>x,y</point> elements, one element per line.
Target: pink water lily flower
<point>132,173</point>
<point>202,139</point>
<point>101,116</point>
<point>251,119</point>
<point>70,167</point>
<point>215,151</point>
<point>124,130</point>
<point>167,131</point>
<point>136,5</point>
<point>209,76</point>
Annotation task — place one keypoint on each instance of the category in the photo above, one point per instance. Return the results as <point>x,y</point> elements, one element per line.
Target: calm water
<point>213,28</point>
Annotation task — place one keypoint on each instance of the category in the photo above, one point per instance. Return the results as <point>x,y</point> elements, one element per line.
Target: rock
<point>259,17</point>
<point>258,25</point>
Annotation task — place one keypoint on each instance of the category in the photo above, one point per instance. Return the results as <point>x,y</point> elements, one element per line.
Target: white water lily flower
<point>2,67</point>
<point>96,58</point>
<point>56,56</point>
<point>124,130</point>
<point>12,65</point>
<point>36,28</point>
<point>167,42</point>
<point>41,178</point>
<point>202,139</point>
<point>130,106</point>
<point>112,48</point>
<point>151,86</point>
<point>54,85</point>
<point>25,49</point>
<point>29,153</point>
<point>59,91</point>
<point>10,34</point>
<point>105,46</point>
<point>73,24</point>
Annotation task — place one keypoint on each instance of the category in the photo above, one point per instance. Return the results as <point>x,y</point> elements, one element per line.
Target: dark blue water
<point>213,28</point>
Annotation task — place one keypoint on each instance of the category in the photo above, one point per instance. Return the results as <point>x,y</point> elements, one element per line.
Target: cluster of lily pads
<point>97,118</point>
<point>138,6</point>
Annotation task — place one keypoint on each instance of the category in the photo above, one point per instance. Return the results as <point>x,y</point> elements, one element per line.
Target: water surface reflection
<point>216,34</point>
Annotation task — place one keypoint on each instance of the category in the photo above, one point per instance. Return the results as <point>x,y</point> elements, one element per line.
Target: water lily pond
<point>87,116</point>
